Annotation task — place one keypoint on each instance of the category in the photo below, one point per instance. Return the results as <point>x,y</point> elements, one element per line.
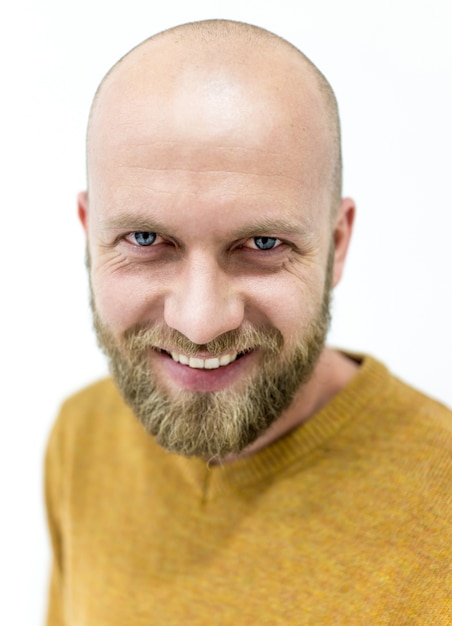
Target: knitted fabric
<point>346,521</point>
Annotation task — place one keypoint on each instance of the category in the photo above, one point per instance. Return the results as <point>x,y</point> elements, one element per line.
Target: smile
<point>204,364</point>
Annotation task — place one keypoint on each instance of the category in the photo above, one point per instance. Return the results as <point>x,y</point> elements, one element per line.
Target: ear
<point>342,233</point>
<point>82,209</point>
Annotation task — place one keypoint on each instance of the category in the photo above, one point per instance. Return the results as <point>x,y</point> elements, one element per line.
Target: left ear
<point>342,233</point>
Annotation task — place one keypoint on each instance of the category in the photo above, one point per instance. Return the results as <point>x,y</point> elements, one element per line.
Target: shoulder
<point>98,396</point>
<point>418,410</point>
<point>91,418</point>
<point>405,430</point>
<point>98,403</point>
<point>402,429</point>
<point>88,407</point>
<point>382,394</point>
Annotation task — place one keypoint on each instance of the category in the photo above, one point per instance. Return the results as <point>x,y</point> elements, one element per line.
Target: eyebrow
<point>131,222</point>
<point>271,226</point>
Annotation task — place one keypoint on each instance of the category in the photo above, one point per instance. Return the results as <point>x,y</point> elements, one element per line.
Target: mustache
<point>139,338</point>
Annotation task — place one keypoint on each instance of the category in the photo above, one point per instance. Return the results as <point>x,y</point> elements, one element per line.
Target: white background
<point>390,64</point>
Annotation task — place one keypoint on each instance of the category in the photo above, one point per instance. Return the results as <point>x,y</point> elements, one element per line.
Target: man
<point>236,471</point>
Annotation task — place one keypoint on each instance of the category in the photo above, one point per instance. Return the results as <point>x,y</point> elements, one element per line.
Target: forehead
<point>175,93</point>
<point>241,194</point>
<point>210,136</point>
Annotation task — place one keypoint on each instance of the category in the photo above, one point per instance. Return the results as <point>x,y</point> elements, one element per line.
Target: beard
<point>214,424</point>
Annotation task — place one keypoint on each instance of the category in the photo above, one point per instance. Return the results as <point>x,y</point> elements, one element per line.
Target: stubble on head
<point>204,41</point>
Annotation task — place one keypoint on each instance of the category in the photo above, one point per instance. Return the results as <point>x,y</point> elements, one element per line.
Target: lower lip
<point>201,380</point>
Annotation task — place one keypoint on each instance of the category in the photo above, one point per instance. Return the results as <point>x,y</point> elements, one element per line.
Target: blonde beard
<point>212,425</point>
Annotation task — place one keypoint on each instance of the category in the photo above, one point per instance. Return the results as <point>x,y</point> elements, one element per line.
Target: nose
<point>203,302</point>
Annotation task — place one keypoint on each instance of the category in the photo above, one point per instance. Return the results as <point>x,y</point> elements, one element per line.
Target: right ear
<point>82,209</point>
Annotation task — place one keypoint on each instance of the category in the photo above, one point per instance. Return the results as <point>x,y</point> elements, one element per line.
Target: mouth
<point>205,363</point>
<point>202,372</point>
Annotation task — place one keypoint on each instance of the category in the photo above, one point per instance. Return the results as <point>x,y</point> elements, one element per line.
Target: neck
<point>332,373</point>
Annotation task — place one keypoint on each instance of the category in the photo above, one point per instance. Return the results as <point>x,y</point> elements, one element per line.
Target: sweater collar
<point>296,448</point>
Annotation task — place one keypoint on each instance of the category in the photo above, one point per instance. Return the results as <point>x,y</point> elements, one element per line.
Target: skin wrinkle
<point>160,143</point>
<point>307,218</point>
<point>205,171</point>
<point>196,194</point>
<point>224,194</point>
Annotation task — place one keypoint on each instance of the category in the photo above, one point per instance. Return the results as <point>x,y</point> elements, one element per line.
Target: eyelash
<point>155,236</point>
<point>141,232</point>
<point>277,241</point>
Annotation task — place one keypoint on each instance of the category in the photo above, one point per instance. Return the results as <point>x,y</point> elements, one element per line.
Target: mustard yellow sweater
<point>345,521</point>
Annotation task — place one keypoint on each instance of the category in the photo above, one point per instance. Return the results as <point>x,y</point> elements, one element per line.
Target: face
<point>211,259</point>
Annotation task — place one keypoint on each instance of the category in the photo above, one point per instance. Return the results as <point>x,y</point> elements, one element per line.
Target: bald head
<point>221,82</point>
<point>214,171</point>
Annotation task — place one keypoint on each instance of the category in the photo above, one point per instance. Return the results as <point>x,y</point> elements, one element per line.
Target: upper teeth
<point>207,364</point>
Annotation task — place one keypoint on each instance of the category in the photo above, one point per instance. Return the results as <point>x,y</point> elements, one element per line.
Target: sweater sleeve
<point>54,506</point>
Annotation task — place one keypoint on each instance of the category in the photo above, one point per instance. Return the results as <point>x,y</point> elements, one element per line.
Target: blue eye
<point>144,238</point>
<point>265,243</point>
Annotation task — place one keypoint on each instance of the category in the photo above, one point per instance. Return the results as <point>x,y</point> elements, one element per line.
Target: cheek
<point>287,300</point>
<point>289,303</point>
<point>123,301</point>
